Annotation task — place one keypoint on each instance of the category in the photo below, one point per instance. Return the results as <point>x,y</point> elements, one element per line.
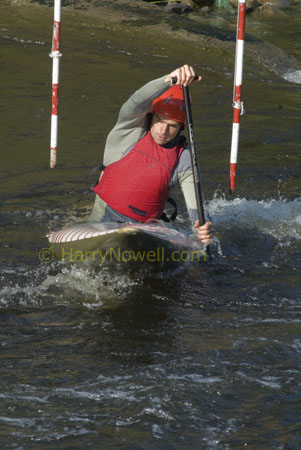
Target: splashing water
<point>279,218</point>
<point>293,76</point>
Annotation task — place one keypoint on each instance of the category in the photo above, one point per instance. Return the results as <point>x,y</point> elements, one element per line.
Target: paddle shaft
<point>193,155</point>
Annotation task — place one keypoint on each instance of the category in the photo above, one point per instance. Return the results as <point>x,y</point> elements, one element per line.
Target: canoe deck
<point>138,243</point>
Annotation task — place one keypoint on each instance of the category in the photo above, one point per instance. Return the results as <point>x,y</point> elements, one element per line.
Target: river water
<point>204,357</point>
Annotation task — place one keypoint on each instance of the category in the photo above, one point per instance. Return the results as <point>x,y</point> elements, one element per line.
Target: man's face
<point>164,130</point>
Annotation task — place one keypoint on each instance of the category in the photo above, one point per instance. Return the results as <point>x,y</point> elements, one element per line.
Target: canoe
<point>100,243</point>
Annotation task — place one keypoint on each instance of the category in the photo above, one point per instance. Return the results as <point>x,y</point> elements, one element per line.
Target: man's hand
<point>205,232</point>
<point>185,76</point>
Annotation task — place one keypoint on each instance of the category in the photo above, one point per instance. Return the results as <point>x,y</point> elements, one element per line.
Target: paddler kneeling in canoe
<point>145,156</point>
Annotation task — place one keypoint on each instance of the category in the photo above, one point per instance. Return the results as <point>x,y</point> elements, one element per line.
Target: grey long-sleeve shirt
<point>129,129</point>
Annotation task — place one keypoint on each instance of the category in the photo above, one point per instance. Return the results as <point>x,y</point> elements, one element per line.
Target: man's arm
<point>134,110</point>
<point>131,124</point>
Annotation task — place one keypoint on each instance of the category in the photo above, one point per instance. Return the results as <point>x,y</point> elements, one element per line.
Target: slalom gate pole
<point>55,55</point>
<point>238,109</point>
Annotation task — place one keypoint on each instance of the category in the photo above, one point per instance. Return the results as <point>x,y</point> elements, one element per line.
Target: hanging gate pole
<point>237,103</point>
<point>55,55</point>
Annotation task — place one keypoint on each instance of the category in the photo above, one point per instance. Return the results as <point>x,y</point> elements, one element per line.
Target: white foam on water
<point>94,289</point>
<point>279,218</point>
<point>270,382</point>
<point>21,40</point>
<point>105,394</point>
<point>195,378</point>
<point>17,294</point>
<point>63,284</point>
<point>17,422</point>
<point>158,413</point>
<point>293,76</point>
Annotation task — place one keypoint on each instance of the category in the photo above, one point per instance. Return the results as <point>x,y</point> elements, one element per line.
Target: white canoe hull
<point>139,243</point>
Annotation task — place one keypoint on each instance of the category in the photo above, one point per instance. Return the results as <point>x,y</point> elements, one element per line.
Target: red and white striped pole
<point>55,55</point>
<point>237,103</point>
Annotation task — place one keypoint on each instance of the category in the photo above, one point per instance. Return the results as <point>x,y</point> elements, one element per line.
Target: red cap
<point>171,104</point>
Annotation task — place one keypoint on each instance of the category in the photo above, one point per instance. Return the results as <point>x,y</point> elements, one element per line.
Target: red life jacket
<point>137,185</point>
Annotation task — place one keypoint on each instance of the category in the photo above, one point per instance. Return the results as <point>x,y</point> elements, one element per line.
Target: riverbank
<point>141,20</point>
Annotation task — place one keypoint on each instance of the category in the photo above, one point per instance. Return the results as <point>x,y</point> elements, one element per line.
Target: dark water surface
<point>206,357</point>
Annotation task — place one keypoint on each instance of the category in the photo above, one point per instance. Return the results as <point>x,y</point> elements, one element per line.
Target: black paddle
<point>194,161</point>
<point>193,155</point>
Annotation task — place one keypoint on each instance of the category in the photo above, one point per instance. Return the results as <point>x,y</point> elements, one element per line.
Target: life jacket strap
<point>173,216</point>
<point>95,169</point>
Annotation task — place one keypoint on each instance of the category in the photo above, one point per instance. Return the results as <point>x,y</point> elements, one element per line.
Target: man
<point>145,156</point>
